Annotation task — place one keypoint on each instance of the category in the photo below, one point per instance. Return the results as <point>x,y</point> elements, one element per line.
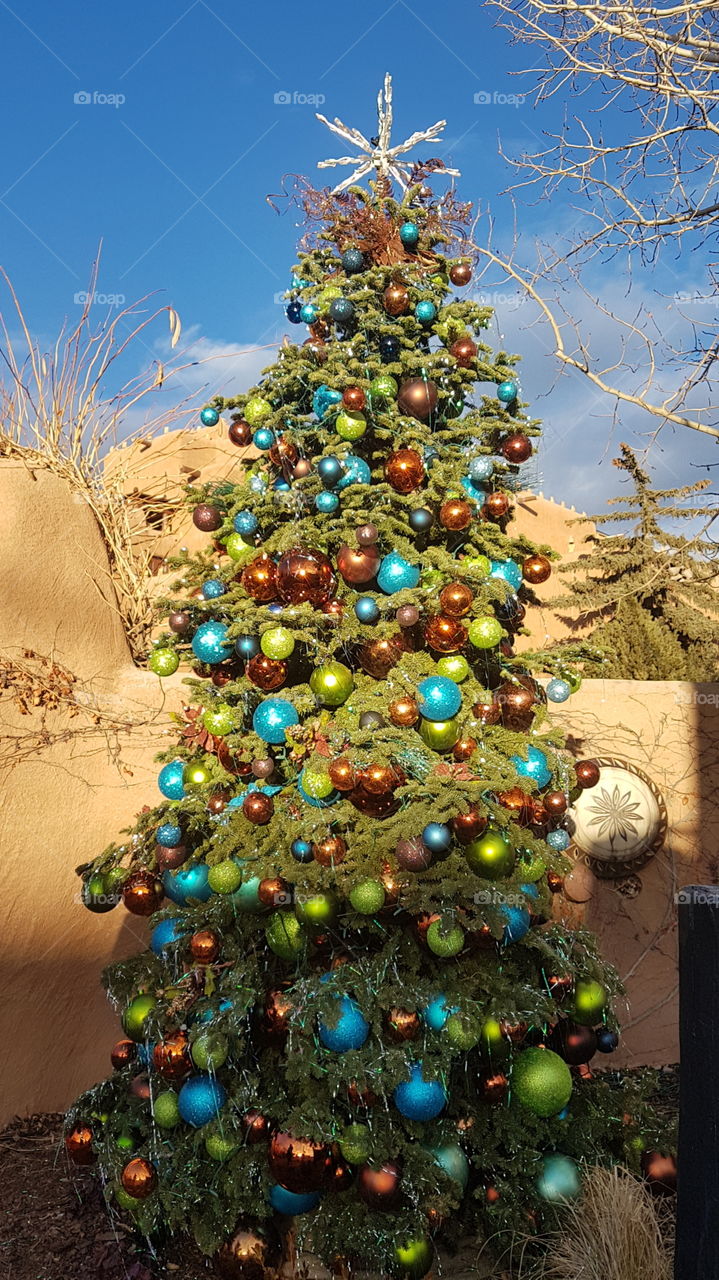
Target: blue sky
<point>173,180</point>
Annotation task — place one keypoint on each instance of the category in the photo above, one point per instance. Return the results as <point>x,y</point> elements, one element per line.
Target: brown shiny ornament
<point>375,806</point>
<point>299,1164</point>
<point>318,348</point>
<point>492,1195</point>
<point>391,885</point>
<point>417,398</point>
<point>341,774</point>
<point>255,1127</point>
<point>444,634</point>
<point>464,749</point>
<point>263,768</point>
<point>284,452</point>
<point>464,352</point>
<point>204,946</point>
<point>496,506</point>
<point>179,622</point>
<point>469,825</point>
<point>536,569</point>
<point>321,328</point>
<point>139,1178</point>
<point>253,1253</point>
<point>516,448</point>
<point>232,764</point>
<point>555,803</point>
<point>377,657</point>
<point>223,675</point>
<point>334,608</point>
<point>271,889</point>
<point>142,893</point>
<point>140,1087</point>
<point>367,534</point>
<point>555,883</point>
<point>342,1175</point>
<point>122,1053</point>
<point>277,1011</point>
<point>354,399</point>
<point>78,1144</point>
<point>517,705</point>
<point>515,1032</point>
<point>455,514</point>
<point>330,851</point>
<point>486,712</point>
<point>259,579</point>
<point>379,1188</point>
<point>169,859</point>
<point>660,1172</point>
<point>494,1088</point>
<point>559,985</point>
<point>403,712</point>
<point>456,599</point>
<point>519,804</point>
<point>460,273</point>
<point>305,574</point>
<point>301,469</point>
<point>404,470</point>
<point>240,433</point>
<point>361,1099</point>
<point>402,1024</point>
<point>266,673</point>
<point>206,518</point>
<point>258,808</point>
<point>577,1045</point>
<point>407,615</point>
<point>172,1057</point>
<point>588,773</point>
<point>358,565</point>
<point>395,299</point>
<point>217,802</point>
<point>378,778</point>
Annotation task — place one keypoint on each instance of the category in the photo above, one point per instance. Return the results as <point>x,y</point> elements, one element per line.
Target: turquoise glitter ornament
<point>326,502</point>
<point>323,399</point>
<point>397,574</point>
<point>309,313</point>
<point>516,923</point>
<point>558,840</point>
<point>558,690</point>
<point>419,1099</point>
<point>245,522</point>
<point>263,438</point>
<point>166,933</point>
<point>352,260</point>
<point>201,1098</point>
<point>425,312</point>
<point>272,717</point>
<point>507,391</point>
<point>438,698</point>
<point>535,766</point>
<point>170,780</point>
<point>409,235</point>
<point>213,589</point>
<point>209,417</point>
<point>210,643</point>
<point>508,570</point>
<point>481,469</point>
<point>350,1031</point>
<point>356,471</point>
<point>169,834</point>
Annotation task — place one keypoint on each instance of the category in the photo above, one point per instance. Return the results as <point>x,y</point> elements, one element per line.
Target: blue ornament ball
<point>169,780</point>
<point>326,502</point>
<point>342,310</point>
<point>481,469</point>
<point>508,570</point>
<point>535,766</point>
<point>291,1203</point>
<point>201,1098</point>
<point>396,574</point>
<point>247,646</point>
<point>210,643</point>
<point>425,311</point>
<point>516,923</point>
<point>247,897</point>
<point>437,1012</point>
<point>213,589</point>
<point>301,851</point>
<point>272,717</point>
<point>323,399</point>
<point>507,391</point>
<point>559,1180</point>
<point>439,698</point>
<point>607,1040</point>
<point>356,471</point>
<point>165,933</point>
<point>258,484</point>
<point>245,522</point>
<point>209,417</point>
<point>330,471</point>
<point>187,883</point>
<point>471,490</point>
<point>169,834</point>
<point>309,313</point>
<point>294,311</point>
<point>366,609</point>
<point>409,234</point>
<point>453,1161</point>
<point>437,836</point>
<point>349,1032</point>
<point>420,520</point>
<point>558,690</point>
<point>352,261</point>
<point>558,840</point>
<point>263,438</point>
<point>274,609</point>
<point>419,1099</point>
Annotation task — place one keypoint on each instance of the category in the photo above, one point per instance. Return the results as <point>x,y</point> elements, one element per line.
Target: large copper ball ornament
<point>496,506</point>
<point>266,673</point>
<point>305,574</point>
<point>172,1057</point>
<point>122,1053</point>
<point>354,399</point>
<point>464,352</point>
<point>460,273</point>
<point>321,328</point>
<point>469,825</point>
<point>577,1045</point>
<point>341,774</point>
<point>379,778</point>
<point>519,804</point>
<point>276,1016</point>
<point>206,518</point>
<point>253,1253</point>
<point>417,398</point>
<point>284,451</point>
<point>272,890</point>
<point>360,1099</point>
<point>299,1164</point>
<point>170,859</point>
<point>379,1188</point>
<point>516,448</point>
<point>455,514</point>
<point>78,1144</point>
<point>217,802</point>
<point>494,1088</point>
<point>358,565</point>
<point>375,806</point>
<point>139,1178</point>
<point>517,705</point>
<point>515,1032</point>
<point>536,569</point>
<point>413,854</point>
<point>445,634</point>
<point>240,433</point>
<point>559,985</point>
<point>317,347</point>
<point>142,893</point>
<point>456,599</point>
<point>464,749</point>
<point>395,299</point>
<point>588,773</point>
<point>555,883</point>
<point>329,851</point>
<point>258,807</point>
<point>660,1172</point>
<point>402,1024</point>
<point>205,946</point>
<point>403,712</point>
<point>377,657</point>
<point>404,470</point>
<point>259,579</point>
<point>255,1127</point>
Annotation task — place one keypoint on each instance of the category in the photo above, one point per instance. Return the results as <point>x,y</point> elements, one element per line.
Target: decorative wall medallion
<point>619,824</point>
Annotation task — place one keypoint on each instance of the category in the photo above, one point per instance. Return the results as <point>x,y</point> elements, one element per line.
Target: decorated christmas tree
<point>357,1028</point>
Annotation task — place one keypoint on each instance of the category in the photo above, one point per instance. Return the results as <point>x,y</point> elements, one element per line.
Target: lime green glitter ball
<point>383,387</point>
<point>237,548</point>
<point>136,1014</point>
<point>478,564</point>
<point>124,1200</point>
<point>257,410</point>
<point>284,935</point>
<point>277,643</point>
<point>485,633</point>
<point>454,667</point>
<point>445,942</point>
<point>463,1031</point>
<point>219,720</point>
<point>209,1051</point>
<point>356,1143</point>
<point>531,867</point>
<point>164,662</point>
<point>328,295</point>
<point>350,425</point>
<point>589,1001</point>
<point>219,1147</point>
<point>165,1111</point>
<point>317,783</point>
<point>125,1142</point>
<point>368,897</point>
<point>541,1081</point>
<point>225,877</point>
<point>413,1258</point>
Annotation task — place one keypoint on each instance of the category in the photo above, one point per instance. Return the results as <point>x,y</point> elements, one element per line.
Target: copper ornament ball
<point>555,803</point>
<point>217,802</point>
<point>282,451</point>
<point>354,399</point>
<point>375,806</point>
<point>302,468</point>
<point>304,574</point>
<point>139,1178</point>
<point>417,398</point>
<point>464,351</point>
<point>404,470</point>
<point>402,1024</point>
<point>358,565</point>
<point>379,1188</point>
<point>321,328</point>
<point>360,1099</point>
<point>240,433</point>
<point>272,889</point>
<point>317,348</point>
<point>377,657</point>
<point>342,774</point>
<point>204,946</point>
<point>519,804</point>
<point>276,1015</point>
<point>517,705</point>
<point>253,1253</point>
<point>588,773</point>
<point>122,1053</point>
<point>456,599</point>
<point>460,273</point>
<point>259,579</point>
<point>559,985</point>
<point>395,299</point>
<point>142,893</point>
<point>379,778</point>
<point>140,1087</point>
<point>464,749</point>
<point>536,569</point>
<point>169,859</point>
<point>455,515</point>
<point>299,1164</point>
<point>258,808</point>
<point>494,1088</point>
<point>444,634</point>
<point>469,825</point>
<point>255,1127</point>
<point>486,712</point>
<point>329,851</point>
<point>78,1144</point>
<point>516,448</point>
<point>496,505</point>
<point>266,673</point>
<point>171,1057</point>
<point>403,712</point>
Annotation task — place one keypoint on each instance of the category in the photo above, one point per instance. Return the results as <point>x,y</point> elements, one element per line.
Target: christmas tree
<point>356,1016</point>
<point>650,592</point>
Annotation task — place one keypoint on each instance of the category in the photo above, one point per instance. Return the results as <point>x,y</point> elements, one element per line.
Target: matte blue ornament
<point>607,1040</point>
<point>169,834</point>
<point>326,502</point>
<point>189,882</point>
<point>516,923</point>
<point>330,471</point>
<point>419,1099</point>
<point>210,643</point>
<point>425,311</point>
<point>169,780</point>
<point>436,1013</point>
<point>558,690</point>
<point>507,391</point>
<point>409,234</point>
<point>247,646</point>
<point>213,589</point>
<point>272,717</point>
<point>323,399</point>
<point>247,897</point>
<point>263,438</point>
<point>309,313</point>
<point>245,522</point>
<point>396,574</point>
<point>471,490</point>
<point>481,469</point>
<point>508,570</point>
<point>301,851</point>
<point>558,840</point>
<point>209,417</point>
<point>559,1180</point>
<point>356,471</point>
<point>535,766</point>
<point>342,311</point>
<point>366,609</point>
<point>201,1099</point>
<point>258,484</point>
<point>453,1161</point>
<point>389,348</point>
<point>350,1031</point>
<point>165,933</point>
<point>439,698</point>
<point>352,261</point>
<point>420,520</point>
<point>437,836</point>
<point>294,311</point>
<point>290,1203</point>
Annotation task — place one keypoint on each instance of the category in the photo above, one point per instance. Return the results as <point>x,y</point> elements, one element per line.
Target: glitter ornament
<point>397,574</point>
<point>507,392</point>
<point>272,718</point>
<point>541,1082</point>
<point>419,1099</point>
<point>438,698</point>
<point>210,643</point>
<point>485,632</point>
<point>201,1098</point>
<point>349,1031</point>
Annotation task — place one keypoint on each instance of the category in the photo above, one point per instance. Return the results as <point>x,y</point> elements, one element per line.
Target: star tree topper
<point>380,156</point>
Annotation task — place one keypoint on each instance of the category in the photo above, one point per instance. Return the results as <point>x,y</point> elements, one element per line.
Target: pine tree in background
<point>356,1016</point>
<point>653,594</point>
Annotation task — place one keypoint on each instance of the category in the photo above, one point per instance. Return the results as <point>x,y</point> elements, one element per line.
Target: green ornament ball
<point>195,776</point>
<point>332,683</point>
<point>316,909</point>
<point>277,643</point>
<point>368,897</point>
<point>328,295</point>
<point>257,410</point>
<point>492,1043</point>
<point>589,1001</point>
<point>350,425</point>
<point>219,1147</point>
<point>463,1031</point>
<point>454,667</point>
<point>485,633</point>
<point>356,1143</point>
<point>165,1111</point>
<point>490,856</point>
<point>440,735</point>
<point>284,935</point>
<point>136,1015</point>
<point>432,578</point>
<point>559,1180</point>
<point>164,662</point>
<point>413,1258</point>
<point>209,1051</point>
<point>317,783</point>
<point>225,877</point>
<point>481,565</point>
<point>125,1142</point>
<point>531,867</point>
<point>541,1082</point>
<point>237,548</point>
<point>124,1200</point>
<point>445,942</point>
<point>219,720</point>
<point>384,387</point>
